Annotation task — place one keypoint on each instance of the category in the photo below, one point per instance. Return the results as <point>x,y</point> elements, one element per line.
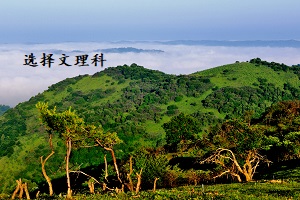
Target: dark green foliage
<point>35,99</point>
<point>295,92</point>
<point>275,135</point>
<point>134,72</point>
<point>87,157</point>
<point>60,86</point>
<point>3,109</point>
<point>172,110</point>
<point>235,146</point>
<point>235,101</point>
<point>180,128</point>
<point>14,124</point>
<point>172,107</point>
<point>153,166</point>
<point>282,121</point>
<point>206,120</point>
<point>237,136</point>
<point>178,98</point>
<point>286,113</point>
<point>277,66</point>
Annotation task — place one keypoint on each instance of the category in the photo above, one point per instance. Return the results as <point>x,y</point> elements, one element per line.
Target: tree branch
<point>86,175</point>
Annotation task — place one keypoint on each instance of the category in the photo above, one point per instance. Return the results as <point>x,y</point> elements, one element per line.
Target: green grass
<point>184,106</point>
<point>233,75</point>
<point>88,84</point>
<point>238,191</point>
<point>57,97</point>
<point>234,191</point>
<point>245,74</point>
<point>152,127</point>
<point>293,173</point>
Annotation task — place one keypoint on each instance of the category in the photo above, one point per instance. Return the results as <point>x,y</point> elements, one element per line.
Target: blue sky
<point>113,20</point>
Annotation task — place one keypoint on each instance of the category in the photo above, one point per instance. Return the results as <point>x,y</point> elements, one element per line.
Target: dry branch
<point>154,184</point>
<point>139,182</point>
<point>130,184</point>
<point>21,187</point>
<point>252,160</point>
<point>113,157</point>
<point>17,188</point>
<point>43,162</point>
<point>106,171</point>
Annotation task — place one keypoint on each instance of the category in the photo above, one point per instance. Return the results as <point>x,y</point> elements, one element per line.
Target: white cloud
<point>18,82</point>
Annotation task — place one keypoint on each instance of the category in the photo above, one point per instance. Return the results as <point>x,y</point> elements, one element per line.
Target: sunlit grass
<point>234,191</point>
<point>245,74</point>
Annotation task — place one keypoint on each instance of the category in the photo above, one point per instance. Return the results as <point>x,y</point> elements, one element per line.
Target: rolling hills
<point>135,102</point>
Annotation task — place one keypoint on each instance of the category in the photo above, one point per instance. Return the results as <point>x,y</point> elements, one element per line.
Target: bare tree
<point>235,146</point>
<point>227,159</point>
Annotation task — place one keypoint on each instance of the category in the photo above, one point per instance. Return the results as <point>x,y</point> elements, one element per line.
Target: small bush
<point>178,98</point>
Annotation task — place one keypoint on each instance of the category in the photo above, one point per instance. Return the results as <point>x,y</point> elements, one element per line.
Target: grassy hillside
<point>134,102</point>
<point>248,74</point>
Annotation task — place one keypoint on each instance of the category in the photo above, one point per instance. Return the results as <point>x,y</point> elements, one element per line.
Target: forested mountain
<point>3,108</point>
<point>135,102</point>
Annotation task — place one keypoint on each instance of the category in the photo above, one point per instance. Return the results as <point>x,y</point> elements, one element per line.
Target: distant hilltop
<point>129,50</point>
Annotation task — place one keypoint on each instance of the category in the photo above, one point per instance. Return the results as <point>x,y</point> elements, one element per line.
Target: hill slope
<point>135,102</point>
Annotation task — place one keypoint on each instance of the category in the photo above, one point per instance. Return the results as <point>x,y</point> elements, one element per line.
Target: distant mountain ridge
<point>245,43</point>
<point>129,50</point>
<point>228,43</point>
<point>293,43</point>
<point>111,50</point>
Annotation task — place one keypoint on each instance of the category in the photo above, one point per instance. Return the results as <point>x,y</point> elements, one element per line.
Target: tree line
<point>237,147</point>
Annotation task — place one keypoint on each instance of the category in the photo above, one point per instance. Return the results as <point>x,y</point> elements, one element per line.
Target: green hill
<point>135,102</point>
<point>248,74</point>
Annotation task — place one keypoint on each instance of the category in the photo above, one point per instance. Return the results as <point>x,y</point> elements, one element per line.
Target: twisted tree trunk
<point>252,160</point>
<point>43,162</point>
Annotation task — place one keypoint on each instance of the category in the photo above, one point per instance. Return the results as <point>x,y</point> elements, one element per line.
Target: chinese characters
<point>48,60</point>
